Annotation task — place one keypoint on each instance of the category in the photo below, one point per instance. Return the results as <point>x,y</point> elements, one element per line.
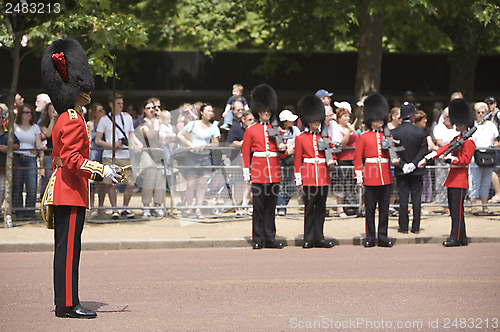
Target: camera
<point>124,141</point>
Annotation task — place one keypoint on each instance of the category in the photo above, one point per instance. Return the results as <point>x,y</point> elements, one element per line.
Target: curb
<point>13,247</point>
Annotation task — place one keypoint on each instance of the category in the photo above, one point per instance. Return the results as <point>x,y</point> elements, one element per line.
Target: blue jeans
<point>25,177</point>
<point>287,187</point>
<point>481,181</point>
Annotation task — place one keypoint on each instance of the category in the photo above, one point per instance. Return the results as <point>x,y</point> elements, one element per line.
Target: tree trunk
<point>463,69</point>
<point>369,54</point>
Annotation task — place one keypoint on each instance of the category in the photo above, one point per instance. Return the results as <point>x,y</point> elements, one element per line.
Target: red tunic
<point>377,171</point>
<point>71,143</point>
<point>265,167</point>
<point>458,177</point>
<point>310,162</point>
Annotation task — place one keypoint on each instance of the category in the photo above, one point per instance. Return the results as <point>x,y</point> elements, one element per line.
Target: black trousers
<point>382,196</point>
<point>406,185</point>
<point>68,226</point>
<point>456,197</point>
<point>265,197</point>
<point>314,212</point>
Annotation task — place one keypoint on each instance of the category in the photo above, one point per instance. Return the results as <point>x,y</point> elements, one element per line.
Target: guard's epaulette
<point>72,114</point>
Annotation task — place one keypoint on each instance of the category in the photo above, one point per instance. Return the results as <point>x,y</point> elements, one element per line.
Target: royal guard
<point>68,80</point>
<point>376,177</point>
<point>261,165</point>
<point>312,170</point>
<point>458,153</point>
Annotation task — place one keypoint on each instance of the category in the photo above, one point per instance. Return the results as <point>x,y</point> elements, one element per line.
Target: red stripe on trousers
<point>461,213</point>
<point>69,257</point>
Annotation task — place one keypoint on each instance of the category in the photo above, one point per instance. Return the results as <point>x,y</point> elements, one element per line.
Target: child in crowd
<point>228,113</point>
<point>377,176</point>
<point>311,170</point>
<point>462,116</point>
<point>166,135</point>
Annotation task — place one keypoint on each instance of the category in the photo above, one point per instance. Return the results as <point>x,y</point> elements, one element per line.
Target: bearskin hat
<point>375,108</point>
<point>461,112</point>
<point>263,98</point>
<point>66,73</point>
<point>310,108</point>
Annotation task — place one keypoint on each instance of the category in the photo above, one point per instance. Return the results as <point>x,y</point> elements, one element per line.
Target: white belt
<point>457,166</point>
<point>376,160</point>
<point>265,154</point>
<point>315,160</point>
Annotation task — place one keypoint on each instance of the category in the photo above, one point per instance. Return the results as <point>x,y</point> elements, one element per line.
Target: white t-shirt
<point>295,133</point>
<point>27,139</point>
<point>105,126</point>
<point>485,134</point>
<point>334,132</point>
<point>441,132</point>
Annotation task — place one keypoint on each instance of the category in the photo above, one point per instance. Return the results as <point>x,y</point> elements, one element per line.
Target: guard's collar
<point>377,130</point>
<point>264,123</point>
<point>79,109</point>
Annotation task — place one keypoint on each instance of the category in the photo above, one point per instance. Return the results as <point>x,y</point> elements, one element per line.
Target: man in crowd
<point>325,96</point>
<point>124,138</point>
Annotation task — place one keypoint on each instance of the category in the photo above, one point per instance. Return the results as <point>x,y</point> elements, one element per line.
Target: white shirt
<point>164,131</point>
<point>295,133</point>
<point>105,126</point>
<point>27,139</point>
<point>441,132</point>
<point>334,132</point>
<point>485,134</point>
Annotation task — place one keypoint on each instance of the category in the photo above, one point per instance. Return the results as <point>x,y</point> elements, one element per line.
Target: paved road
<point>425,288</point>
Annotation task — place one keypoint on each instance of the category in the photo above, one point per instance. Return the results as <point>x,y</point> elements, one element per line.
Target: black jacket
<point>414,140</point>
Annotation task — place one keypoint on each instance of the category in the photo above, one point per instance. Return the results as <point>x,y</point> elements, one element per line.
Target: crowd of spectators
<point>200,126</point>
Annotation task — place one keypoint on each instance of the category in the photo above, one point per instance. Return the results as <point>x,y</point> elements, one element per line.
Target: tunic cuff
<point>431,155</point>
<point>95,168</point>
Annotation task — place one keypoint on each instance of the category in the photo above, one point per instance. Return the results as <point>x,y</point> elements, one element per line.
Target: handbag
<point>485,157</point>
<point>287,161</point>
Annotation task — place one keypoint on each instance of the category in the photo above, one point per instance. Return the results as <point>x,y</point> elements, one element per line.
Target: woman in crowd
<point>152,162</point>
<point>344,175</point>
<point>204,135</point>
<point>96,112</point>
<point>394,119</point>
<point>484,137</point>
<point>30,140</point>
<point>443,133</point>
<point>49,117</point>
<point>287,185</point>
<point>421,121</point>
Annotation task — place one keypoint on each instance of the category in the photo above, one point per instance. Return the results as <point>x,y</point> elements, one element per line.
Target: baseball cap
<point>490,100</point>
<point>343,104</point>
<point>323,93</point>
<point>286,115</point>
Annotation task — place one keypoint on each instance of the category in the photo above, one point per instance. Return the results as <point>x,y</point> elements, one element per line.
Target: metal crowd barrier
<point>226,195</point>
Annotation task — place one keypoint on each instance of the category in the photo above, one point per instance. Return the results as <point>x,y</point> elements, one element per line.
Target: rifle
<point>388,144</point>
<point>324,144</point>
<point>455,145</point>
<point>276,133</point>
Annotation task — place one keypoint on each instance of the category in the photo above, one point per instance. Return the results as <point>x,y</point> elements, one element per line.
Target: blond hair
<point>238,86</point>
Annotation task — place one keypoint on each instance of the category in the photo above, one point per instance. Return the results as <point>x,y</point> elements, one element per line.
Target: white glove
<point>408,168</point>
<point>298,179</point>
<point>114,173</point>
<point>246,174</point>
<point>359,176</point>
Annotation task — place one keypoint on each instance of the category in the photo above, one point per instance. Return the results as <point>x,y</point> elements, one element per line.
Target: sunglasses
<point>27,112</point>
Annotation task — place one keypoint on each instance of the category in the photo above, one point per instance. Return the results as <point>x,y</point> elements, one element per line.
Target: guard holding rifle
<point>374,148</point>
<point>311,170</point>
<point>261,149</point>
<point>458,153</point>
<point>68,80</point>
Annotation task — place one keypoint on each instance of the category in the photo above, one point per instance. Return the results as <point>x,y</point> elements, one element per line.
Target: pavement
<point>227,230</point>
